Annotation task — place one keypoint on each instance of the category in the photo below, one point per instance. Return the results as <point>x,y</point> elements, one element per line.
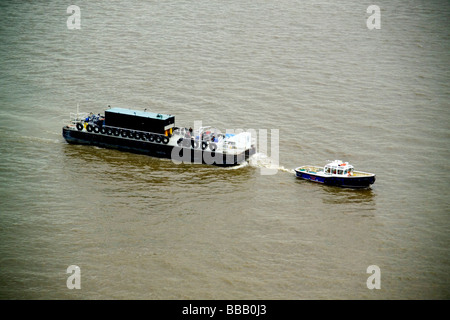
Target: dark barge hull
<point>155,149</point>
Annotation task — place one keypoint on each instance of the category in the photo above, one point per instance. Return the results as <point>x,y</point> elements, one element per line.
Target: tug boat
<point>156,135</point>
<point>336,173</point>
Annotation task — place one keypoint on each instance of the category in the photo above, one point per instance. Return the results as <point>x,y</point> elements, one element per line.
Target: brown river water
<point>145,228</point>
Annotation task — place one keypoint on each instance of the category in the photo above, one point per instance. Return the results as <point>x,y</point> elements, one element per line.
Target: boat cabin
<point>140,120</point>
<point>338,167</point>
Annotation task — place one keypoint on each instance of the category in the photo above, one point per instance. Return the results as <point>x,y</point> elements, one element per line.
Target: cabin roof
<point>339,163</point>
<point>138,113</point>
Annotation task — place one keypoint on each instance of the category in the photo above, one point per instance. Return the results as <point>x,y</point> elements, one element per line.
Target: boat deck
<point>310,169</point>
<point>316,169</point>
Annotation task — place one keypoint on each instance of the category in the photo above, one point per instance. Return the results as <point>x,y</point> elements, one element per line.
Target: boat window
<point>334,170</point>
<point>340,171</point>
<point>327,169</point>
<point>345,171</point>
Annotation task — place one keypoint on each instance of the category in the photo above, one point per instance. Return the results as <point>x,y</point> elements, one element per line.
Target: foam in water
<point>241,165</point>
<point>261,160</point>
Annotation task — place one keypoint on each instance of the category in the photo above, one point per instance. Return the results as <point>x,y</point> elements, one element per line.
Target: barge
<point>156,135</point>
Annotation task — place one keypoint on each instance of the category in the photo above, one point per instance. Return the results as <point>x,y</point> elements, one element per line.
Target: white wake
<point>261,160</point>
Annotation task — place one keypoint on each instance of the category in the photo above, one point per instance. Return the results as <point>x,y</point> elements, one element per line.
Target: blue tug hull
<point>346,182</point>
